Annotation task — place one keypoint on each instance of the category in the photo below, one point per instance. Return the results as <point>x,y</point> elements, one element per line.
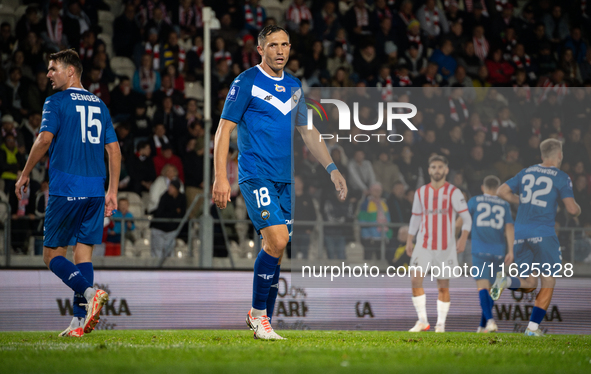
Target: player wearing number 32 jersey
<point>537,190</point>
<point>76,129</point>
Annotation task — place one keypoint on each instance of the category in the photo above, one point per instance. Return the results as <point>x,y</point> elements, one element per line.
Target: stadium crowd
<point>493,79</point>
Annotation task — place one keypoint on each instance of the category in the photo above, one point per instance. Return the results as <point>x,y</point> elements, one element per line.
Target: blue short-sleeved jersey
<point>489,214</point>
<point>81,125</point>
<point>264,108</point>
<point>539,189</point>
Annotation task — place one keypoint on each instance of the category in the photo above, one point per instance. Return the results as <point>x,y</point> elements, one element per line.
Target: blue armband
<point>331,167</point>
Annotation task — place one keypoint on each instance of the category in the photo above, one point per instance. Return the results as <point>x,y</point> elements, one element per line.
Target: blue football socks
<point>273,293</point>
<point>485,304</point>
<point>69,274</point>
<point>87,272</point>
<point>264,272</point>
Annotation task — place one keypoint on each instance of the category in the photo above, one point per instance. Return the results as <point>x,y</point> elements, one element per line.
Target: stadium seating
<point>194,90</point>
<point>123,66</point>
<point>7,15</point>
<point>108,40</point>
<point>18,13</point>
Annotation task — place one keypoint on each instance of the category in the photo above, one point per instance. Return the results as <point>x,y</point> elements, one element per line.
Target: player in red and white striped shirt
<point>435,208</point>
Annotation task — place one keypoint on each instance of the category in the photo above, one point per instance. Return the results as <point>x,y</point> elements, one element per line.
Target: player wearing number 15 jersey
<point>537,190</point>
<point>76,128</point>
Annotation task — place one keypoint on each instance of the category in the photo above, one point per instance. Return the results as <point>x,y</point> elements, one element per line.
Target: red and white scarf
<point>249,17</point>
<point>297,14</point>
<point>432,17</point>
<point>362,17</point>
<point>199,16</point>
<point>147,80</point>
<point>470,6</point>
<point>481,48</point>
<point>85,53</point>
<point>182,58</point>
<point>404,80</point>
<point>250,59</point>
<point>500,4</point>
<point>453,113</point>
<point>95,88</point>
<point>521,63</point>
<point>154,51</point>
<point>496,125</point>
<point>186,17</point>
<point>561,89</point>
<point>223,55</point>
<point>54,33</point>
<point>387,89</point>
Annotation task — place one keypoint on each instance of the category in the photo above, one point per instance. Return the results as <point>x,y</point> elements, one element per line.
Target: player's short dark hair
<point>438,158</point>
<point>268,30</point>
<point>491,182</point>
<point>68,57</point>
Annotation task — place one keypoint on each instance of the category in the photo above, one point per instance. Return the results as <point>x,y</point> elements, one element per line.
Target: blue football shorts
<point>483,261</point>
<point>545,251</point>
<point>268,203</point>
<point>71,220</point>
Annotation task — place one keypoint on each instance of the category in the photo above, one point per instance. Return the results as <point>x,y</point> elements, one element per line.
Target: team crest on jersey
<point>233,94</point>
<point>295,99</point>
<point>265,215</point>
<point>279,88</point>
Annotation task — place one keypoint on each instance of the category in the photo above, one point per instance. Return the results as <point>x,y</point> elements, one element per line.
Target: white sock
<point>442,309</point>
<point>508,282</point>
<point>89,294</point>
<point>420,303</point>
<point>258,312</point>
<point>533,326</point>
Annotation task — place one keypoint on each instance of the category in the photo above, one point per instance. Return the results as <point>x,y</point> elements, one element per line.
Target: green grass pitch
<point>232,351</point>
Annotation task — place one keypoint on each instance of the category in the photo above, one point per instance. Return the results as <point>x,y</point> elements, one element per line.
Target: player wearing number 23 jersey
<point>81,125</point>
<point>539,189</point>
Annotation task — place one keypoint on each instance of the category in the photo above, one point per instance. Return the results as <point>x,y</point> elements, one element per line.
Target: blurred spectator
<point>167,90</point>
<point>29,22</point>
<point>160,185</point>
<point>12,160</point>
<point>174,124</point>
<point>113,246</point>
<point>101,61</point>
<point>411,169</point>
<point>433,21</point>
<point>248,56</point>
<point>34,94</point>
<point>574,149</point>
<point>340,214</point>
<point>458,109</point>
<point>442,57</point>
<point>146,80</point>
<point>141,124</point>
<point>413,36</point>
<point>361,173</point>
<point>53,34</point>
<point>400,209</point>
<point>373,209</point>
<point>172,205</point>
<point>126,32</point>
<point>315,63</point>
<point>504,123</point>
<point>386,41</point>
<point>254,16</point>
<point>123,100</point>
<point>477,168</point>
<point>339,60</point>
<point>30,130</point>
<point>141,169</point>
<point>7,39</point>
<point>469,60</point>
<point>499,70</point>
<point>569,65</point>
<point>159,139</point>
<point>168,158</point>
<point>480,44</point>
<point>326,21</point>
<point>455,148</point>
<point>193,167</point>
<point>510,165</point>
<point>504,20</point>
<point>9,127</point>
<point>556,26</point>
<point>296,13</point>
<point>93,84</point>
<point>159,24</point>
<point>530,155</point>
<point>173,53</point>
<point>521,60</point>
<point>386,172</point>
<point>456,36</point>
<point>413,61</point>
<point>304,211</point>
<point>403,17</point>
<point>177,78</point>
<point>576,43</point>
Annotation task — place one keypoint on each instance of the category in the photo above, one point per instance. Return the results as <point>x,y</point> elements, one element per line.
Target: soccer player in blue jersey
<point>262,102</point>
<point>537,189</point>
<point>492,243</point>
<point>76,129</point>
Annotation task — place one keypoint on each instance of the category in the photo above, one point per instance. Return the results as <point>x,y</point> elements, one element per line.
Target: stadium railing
<point>236,245</point>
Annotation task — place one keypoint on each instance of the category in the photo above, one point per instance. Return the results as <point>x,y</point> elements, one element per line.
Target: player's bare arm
<point>221,186</point>
<point>319,150</point>
<point>409,244</point>
<point>114,153</point>
<point>505,193</point>
<point>510,235</point>
<point>39,149</point>
<point>571,206</point>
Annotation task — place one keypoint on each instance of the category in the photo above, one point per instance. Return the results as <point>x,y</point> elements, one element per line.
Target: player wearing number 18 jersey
<point>76,129</point>
<point>537,189</point>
